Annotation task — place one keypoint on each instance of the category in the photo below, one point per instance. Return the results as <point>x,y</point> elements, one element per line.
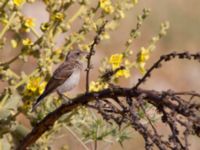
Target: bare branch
<point>167,57</point>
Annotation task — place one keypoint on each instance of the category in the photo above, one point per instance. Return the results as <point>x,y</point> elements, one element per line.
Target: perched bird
<point>65,77</point>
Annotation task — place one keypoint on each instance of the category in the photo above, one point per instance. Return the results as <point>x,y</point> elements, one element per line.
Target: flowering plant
<point>43,45</point>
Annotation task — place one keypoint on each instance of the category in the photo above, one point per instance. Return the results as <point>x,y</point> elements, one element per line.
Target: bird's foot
<point>63,97</point>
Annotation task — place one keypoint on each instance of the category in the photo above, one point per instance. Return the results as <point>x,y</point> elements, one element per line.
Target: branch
<point>167,57</point>
<point>157,99</point>
<point>6,27</point>
<point>5,64</point>
<point>92,52</point>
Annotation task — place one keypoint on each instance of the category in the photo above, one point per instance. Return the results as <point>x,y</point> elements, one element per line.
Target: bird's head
<point>75,54</point>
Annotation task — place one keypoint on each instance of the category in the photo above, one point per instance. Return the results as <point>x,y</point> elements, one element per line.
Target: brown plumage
<point>65,77</point>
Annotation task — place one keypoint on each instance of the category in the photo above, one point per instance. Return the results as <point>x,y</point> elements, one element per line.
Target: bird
<point>65,77</point>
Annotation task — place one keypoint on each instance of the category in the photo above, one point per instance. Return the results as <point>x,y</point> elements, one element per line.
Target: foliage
<point>100,18</point>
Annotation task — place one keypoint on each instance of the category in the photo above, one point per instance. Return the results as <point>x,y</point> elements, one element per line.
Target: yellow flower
<point>134,2</point>
<point>109,9</point>
<point>29,22</point>
<point>33,84</point>
<point>97,86</point>
<point>123,73</point>
<point>27,105</point>
<point>116,60</point>
<point>142,57</point>
<point>27,42</point>
<point>59,16</point>
<point>142,67</point>
<point>46,2</point>
<point>18,2</point>
<point>121,14</point>
<point>13,43</point>
<point>57,51</point>
<point>106,6</point>
<point>44,26</point>
<point>105,36</point>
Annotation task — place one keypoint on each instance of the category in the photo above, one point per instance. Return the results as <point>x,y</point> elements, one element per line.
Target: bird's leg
<point>64,97</point>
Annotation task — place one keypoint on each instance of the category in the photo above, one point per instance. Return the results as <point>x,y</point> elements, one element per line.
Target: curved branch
<point>167,57</point>
<point>154,97</point>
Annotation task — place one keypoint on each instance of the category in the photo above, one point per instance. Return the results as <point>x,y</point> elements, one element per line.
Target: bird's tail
<point>38,101</point>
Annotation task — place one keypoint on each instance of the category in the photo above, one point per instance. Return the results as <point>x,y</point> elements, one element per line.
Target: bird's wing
<point>63,72</point>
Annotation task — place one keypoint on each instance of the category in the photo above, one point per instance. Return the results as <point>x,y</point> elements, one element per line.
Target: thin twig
<point>6,27</point>
<point>167,57</point>
<point>92,52</point>
<point>5,64</point>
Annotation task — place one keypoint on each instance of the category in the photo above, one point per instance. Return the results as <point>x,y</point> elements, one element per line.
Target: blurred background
<point>184,34</point>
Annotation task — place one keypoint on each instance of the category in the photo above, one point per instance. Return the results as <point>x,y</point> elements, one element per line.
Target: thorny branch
<point>165,58</point>
<point>176,109</point>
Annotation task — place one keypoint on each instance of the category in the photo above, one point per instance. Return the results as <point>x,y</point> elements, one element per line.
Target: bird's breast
<point>70,83</point>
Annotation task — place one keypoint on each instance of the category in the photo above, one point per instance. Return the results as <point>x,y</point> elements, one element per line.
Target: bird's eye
<point>78,54</point>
